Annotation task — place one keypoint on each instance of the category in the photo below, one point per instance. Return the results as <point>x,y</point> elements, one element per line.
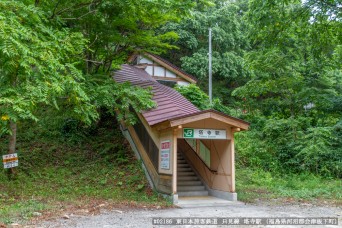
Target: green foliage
<point>255,184</point>
<point>229,42</point>
<point>115,28</point>
<point>317,154</point>
<point>293,93</point>
<point>107,94</point>
<point>42,64</point>
<point>200,99</point>
<point>195,95</point>
<point>38,65</point>
<point>283,145</point>
<point>58,170</point>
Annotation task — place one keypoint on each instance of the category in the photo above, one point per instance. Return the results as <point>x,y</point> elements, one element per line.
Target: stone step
<point>186,173</point>
<point>193,193</point>
<point>189,183</point>
<point>187,178</point>
<point>190,188</point>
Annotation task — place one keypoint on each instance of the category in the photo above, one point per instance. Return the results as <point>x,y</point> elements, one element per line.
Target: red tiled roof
<point>170,104</point>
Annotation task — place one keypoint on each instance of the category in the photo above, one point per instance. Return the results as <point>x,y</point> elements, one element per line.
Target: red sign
<point>165,145</point>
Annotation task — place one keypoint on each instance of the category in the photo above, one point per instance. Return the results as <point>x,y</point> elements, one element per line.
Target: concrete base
<point>204,201</point>
<point>232,196</point>
<point>174,198</point>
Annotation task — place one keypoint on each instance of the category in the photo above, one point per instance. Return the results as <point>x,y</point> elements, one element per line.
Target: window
<point>192,143</point>
<point>204,153</point>
<point>167,83</point>
<point>202,150</point>
<point>148,143</point>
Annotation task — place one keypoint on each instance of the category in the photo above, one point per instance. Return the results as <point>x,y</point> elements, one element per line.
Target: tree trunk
<point>12,146</point>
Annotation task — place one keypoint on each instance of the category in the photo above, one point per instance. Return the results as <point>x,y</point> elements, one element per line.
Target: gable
<point>161,70</point>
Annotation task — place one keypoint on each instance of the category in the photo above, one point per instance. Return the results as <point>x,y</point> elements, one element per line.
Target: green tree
<point>116,28</point>
<point>229,43</point>
<point>200,99</point>
<point>294,87</point>
<point>39,65</point>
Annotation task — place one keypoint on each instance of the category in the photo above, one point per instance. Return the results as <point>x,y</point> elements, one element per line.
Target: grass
<point>67,167</point>
<point>58,171</point>
<point>253,185</point>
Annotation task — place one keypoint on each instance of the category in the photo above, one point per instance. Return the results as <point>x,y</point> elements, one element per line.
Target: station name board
<point>193,133</point>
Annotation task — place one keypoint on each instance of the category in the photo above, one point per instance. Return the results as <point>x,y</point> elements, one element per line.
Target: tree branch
<point>77,18</point>
<point>77,6</point>
<point>54,10</point>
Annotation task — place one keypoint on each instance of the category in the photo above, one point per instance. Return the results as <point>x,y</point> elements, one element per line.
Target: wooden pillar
<point>174,163</point>
<point>232,163</point>
<point>232,151</point>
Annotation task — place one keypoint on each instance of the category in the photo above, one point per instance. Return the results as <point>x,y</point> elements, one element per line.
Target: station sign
<point>193,133</point>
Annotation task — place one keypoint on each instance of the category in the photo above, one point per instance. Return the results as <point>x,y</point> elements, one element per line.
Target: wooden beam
<point>161,126</point>
<point>178,79</point>
<point>236,129</point>
<point>230,121</point>
<point>189,119</point>
<point>174,163</point>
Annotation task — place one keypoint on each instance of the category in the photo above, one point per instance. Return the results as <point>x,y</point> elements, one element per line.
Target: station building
<point>185,151</point>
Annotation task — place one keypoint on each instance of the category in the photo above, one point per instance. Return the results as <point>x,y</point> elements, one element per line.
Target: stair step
<point>193,193</point>
<point>187,178</point>
<point>183,165</point>
<point>186,173</point>
<point>190,188</point>
<point>189,183</point>
<point>182,169</point>
<point>181,162</point>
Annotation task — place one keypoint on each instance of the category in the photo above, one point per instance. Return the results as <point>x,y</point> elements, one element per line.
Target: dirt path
<point>143,217</point>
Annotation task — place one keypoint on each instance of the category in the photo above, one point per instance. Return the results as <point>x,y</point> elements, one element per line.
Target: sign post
<point>10,160</point>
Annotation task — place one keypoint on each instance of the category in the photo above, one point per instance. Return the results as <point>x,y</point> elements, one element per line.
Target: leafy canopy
<point>40,64</point>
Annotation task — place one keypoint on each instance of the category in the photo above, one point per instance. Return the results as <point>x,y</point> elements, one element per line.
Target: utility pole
<point>210,70</point>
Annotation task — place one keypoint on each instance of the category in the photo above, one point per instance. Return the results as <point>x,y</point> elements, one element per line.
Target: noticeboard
<point>165,154</point>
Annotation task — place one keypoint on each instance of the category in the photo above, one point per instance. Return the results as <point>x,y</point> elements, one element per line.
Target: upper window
<point>167,83</point>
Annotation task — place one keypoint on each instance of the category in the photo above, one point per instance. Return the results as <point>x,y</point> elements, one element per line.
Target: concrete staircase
<point>188,184</point>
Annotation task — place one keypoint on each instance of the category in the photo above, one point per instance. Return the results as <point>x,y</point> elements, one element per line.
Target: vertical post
<point>174,170</point>
<point>11,173</point>
<point>232,162</point>
<point>210,70</point>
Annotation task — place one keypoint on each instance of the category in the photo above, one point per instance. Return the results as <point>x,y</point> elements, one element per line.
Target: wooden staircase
<point>188,183</point>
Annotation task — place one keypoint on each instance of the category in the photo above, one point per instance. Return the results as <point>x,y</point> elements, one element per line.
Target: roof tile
<point>170,104</point>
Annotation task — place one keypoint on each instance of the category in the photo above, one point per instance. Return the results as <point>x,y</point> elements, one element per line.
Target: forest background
<point>276,64</point>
